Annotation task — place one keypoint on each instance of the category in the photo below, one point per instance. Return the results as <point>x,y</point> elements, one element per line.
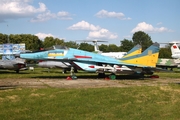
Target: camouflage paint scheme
<point>168,63</point>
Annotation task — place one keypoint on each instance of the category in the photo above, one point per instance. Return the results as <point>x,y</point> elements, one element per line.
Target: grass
<point>144,102</point>
<point>41,73</point>
<point>57,73</point>
<point>130,103</point>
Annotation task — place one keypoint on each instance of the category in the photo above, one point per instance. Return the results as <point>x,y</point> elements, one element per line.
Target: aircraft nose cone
<point>28,56</point>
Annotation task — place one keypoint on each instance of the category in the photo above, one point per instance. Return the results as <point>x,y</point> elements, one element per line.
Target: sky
<point>110,20</point>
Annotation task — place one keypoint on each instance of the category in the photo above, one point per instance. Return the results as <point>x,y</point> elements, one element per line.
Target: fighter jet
<point>144,63</point>
<point>67,66</point>
<point>16,64</point>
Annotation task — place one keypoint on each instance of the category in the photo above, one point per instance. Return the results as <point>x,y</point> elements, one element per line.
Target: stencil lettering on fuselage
<point>54,54</point>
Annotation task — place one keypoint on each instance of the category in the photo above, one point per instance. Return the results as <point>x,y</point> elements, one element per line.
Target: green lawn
<point>146,103</point>
<point>57,73</point>
<point>130,103</point>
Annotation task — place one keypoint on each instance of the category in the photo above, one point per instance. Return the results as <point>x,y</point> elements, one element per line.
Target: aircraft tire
<point>112,76</point>
<point>74,77</point>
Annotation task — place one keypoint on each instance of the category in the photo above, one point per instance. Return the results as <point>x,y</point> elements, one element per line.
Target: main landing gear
<point>73,76</point>
<point>111,76</point>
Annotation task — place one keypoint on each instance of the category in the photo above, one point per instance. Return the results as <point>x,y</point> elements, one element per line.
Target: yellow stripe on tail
<point>134,51</point>
<point>148,58</point>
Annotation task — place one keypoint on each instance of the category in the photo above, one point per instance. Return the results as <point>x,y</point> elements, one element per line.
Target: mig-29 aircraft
<point>144,63</point>
<point>67,66</point>
<point>16,64</point>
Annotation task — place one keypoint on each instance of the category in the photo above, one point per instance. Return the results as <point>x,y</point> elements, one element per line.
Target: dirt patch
<point>82,83</point>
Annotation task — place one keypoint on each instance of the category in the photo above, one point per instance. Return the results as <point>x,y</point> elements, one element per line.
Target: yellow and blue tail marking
<point>148,58</point>
<point>134,51</point>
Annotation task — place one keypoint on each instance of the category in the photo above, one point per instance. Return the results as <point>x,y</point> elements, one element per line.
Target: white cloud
<point>83,25</point>
<point>43,17</point>
<point>96,32</point>
<point>102,34</point>
<point>48,15</point>
<point>44,35</point>
<point>64,15</point>
<point>13,9</point>
<point>143,26</point>
<point>106,14</point>
<point>18,9</point>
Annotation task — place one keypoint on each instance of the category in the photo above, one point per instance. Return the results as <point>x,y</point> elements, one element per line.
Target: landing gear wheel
<point>112,76</point>
<point>101,75</point>
<point>74,77</point>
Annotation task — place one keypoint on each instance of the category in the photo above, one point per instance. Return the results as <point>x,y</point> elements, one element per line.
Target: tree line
<point>33,43</point>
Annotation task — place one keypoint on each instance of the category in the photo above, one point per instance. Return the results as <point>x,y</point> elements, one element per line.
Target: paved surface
<point>82,83</point>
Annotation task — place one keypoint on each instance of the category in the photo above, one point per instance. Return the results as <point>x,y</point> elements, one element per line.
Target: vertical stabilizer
<point>175,51</point>
<point>134,51</point>
<point>148,58</point>
<point>96,48</point>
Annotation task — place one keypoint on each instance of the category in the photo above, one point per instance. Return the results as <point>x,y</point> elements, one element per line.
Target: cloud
<point>44,35</point>
<point>106,14</point>
<point>83,25</point>
<point>102,34</point>
<point>143,26</point>
<point>43,17</point>
<point>64,15</point>
<point>48,15</point>
<point>96,32</point>
<point>14,9</point>
<point>11,9</point>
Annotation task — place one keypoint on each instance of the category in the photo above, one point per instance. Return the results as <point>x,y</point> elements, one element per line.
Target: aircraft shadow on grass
<point>5,87</point>
<point>118,77</point>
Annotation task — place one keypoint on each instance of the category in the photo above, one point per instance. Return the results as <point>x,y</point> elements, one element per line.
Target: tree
<point>86,47</point>
<point>126,45</point>
<point>3,38</point>
<point>142,38</point>
<point>50,41</point>
<point>15,38</point>
<point>113,48</point>
<point>32,42</point>
<point>165,53</point>
<point>71,44</point>
<point>103,48</point>
<point>58,41</point>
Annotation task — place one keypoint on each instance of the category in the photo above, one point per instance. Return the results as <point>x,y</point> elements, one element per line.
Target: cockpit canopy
<point>54,47</point>
<point>57,47</point>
